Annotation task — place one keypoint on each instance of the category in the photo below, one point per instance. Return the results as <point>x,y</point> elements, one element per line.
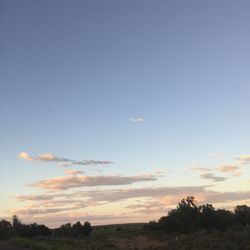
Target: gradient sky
<point>113,111</point>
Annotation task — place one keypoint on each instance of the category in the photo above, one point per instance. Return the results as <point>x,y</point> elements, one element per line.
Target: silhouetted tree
<point>16,222</point>
<point>242,214</point>
<point>6,229</point>
<point>77,229</point>
<point>87,229</point>
<point>224,219</point>
<point>187,217</point>
<point>208,216</point>
<point>64,230</point>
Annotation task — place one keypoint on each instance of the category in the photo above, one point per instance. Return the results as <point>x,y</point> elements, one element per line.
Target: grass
<point>134,237</point>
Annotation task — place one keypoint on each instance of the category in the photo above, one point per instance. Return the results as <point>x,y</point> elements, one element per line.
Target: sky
<point>112,111</point>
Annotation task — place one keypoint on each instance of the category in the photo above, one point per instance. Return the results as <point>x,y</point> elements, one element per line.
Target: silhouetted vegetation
<point>188,217</point>
<point>76,230</point>
<point>18,229</point>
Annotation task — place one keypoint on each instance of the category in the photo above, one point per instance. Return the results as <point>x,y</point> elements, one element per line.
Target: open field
<point>134,237</point>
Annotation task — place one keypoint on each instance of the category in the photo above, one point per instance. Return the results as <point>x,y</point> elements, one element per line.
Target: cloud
<point>222,197</point>
<point>243,159</point>
<point>216,155</point>
<point>209,173</point>
<point>73,172</point>
<point>152,206</point>
<point>201,169</point>
<point>25,156</point>
<point>124,194</point>
<point>212,177</point>
<point>167,195</point>
<point>137,119</point>
<point>33,197</point>
<point>40,211</point>
<point>232,169</point>
<point>63,161</point>
<point>112,195</point>
<point>75,181</point>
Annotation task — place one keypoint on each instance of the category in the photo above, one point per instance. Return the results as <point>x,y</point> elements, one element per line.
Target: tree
<point>16,222</point>
<point>223,219</point>
<point>242,214</point>
<point>87,229</point>
<point>185,218</point>
<point>6,229</point>
<point>207,215</point>
<point>77,229</point>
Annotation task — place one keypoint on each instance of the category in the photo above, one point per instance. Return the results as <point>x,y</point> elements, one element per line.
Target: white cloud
<point>137,119</point>
<point>216,155</point>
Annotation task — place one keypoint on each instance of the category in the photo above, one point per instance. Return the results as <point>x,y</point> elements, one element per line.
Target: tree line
<point>17,228</point>
<point>189,217</point>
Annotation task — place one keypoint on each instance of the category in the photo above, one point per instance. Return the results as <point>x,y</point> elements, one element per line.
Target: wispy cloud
<point>75,181</point>
<point>123,194</point>
<point>216,155</point>
<point>137,119</point>
<point>40,197</point>
<point>231,169</point>
<point>243,159</point>
<point>151,206</point>
<point>73,172</point>
<point>211,176</point>
<point>113,195</point>
<point>168,195</point>
<point>200,169</point>
<point>47,157</point>
<point>40,211</point>
<point>228,170</point>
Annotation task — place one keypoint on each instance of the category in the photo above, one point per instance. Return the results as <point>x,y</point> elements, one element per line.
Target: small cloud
<point>243,159</point>
<point>73,172</point>
<point>216,155</point>
<point>212,177</point>
<point>25,156</point>
<point>197,168</point>
<point>46,157</point>
<point>137,119</point>
<point>232,169</point>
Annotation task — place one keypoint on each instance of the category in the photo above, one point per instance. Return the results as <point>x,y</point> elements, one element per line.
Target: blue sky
<point>76,76</point>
